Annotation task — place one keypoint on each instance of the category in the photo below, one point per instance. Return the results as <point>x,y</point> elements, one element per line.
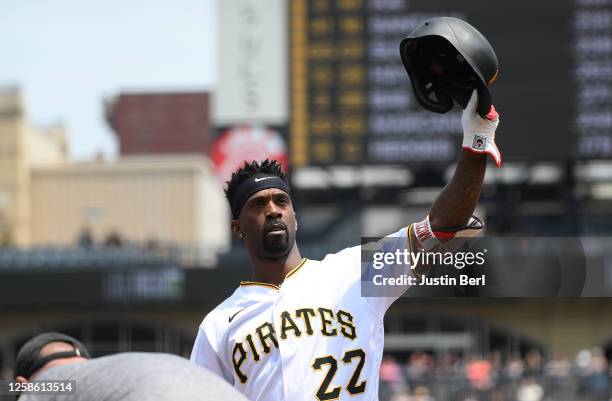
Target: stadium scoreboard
<point>352,102</point>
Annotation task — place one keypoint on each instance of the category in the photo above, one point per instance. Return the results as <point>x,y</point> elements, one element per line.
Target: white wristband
<point>451,240</point>
<point>425,235</point>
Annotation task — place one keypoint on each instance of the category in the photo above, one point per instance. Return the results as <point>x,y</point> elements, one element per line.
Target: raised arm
<point>455,204</point>
<point>452,209</point>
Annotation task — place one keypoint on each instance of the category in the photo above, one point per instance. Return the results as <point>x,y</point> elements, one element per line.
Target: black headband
<point>254,184</point>
<point>42,361</point>
<point>29,359</point>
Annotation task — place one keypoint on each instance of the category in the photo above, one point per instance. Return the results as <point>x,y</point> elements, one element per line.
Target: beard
<point>278,246</point>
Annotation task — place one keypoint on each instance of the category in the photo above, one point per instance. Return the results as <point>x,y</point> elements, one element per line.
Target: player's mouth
<point>275,229</point>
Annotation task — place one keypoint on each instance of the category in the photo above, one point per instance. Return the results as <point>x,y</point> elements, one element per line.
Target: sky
<point>67,56</point>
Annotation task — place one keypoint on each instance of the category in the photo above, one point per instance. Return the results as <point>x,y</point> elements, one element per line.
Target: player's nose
<point>272,211</point>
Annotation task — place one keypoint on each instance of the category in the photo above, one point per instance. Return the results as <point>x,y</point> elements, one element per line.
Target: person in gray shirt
<point>137,376</point>
<point>129,376</point>
<point>45,351</point>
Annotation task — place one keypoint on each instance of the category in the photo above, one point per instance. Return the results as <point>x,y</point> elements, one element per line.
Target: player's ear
<point>236,227</point>
<point>21,379</point>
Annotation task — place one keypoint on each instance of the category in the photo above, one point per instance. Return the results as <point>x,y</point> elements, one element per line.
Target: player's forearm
<point>457,201</point>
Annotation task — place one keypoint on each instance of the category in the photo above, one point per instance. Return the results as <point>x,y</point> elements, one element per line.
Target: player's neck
<point>274,271</point>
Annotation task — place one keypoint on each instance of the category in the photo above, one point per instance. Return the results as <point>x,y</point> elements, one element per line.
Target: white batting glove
<point>478,132</point>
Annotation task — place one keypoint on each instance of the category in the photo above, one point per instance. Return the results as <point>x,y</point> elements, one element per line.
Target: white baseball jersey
<point>313,337</point>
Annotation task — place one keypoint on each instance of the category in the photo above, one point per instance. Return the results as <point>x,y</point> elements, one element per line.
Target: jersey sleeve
<point>204,354</point>
<point>380,297</point>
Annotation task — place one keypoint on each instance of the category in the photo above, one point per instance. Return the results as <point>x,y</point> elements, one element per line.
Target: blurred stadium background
<point>129,254</point>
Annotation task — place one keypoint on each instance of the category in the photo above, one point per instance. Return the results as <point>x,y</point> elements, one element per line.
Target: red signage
<point>242,143</point>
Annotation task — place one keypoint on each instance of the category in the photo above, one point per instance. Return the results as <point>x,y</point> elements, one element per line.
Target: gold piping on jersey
<point>249,283</point>
<point>295,269</point>
<point>276,287</point>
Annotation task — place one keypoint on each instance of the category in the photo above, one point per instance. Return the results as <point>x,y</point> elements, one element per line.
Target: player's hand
<point>478,132</point>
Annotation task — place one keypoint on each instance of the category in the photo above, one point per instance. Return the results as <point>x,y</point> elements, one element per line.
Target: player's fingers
<point>473,103</point>
<point>492,115</point>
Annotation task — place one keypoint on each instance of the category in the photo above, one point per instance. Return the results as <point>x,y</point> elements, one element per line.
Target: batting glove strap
<point>483,143</point>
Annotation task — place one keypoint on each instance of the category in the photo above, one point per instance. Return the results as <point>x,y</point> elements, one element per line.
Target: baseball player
<point>301,329</point>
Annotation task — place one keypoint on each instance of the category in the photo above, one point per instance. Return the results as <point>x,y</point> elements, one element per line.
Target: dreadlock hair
<point>247,171</point>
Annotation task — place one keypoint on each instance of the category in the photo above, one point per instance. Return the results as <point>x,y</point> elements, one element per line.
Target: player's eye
<point>259,203</point>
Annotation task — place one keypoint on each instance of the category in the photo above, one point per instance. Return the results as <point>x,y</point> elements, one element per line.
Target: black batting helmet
<point>446,59</point>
